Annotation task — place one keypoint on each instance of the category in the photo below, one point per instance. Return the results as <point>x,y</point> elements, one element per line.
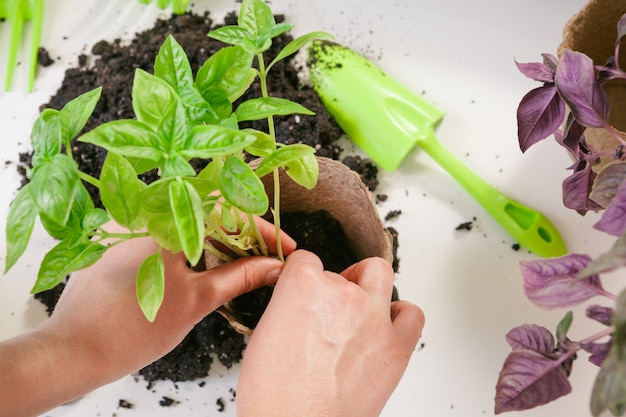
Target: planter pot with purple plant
<point>581,103</point>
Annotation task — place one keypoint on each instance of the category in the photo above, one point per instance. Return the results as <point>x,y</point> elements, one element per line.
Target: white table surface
<point>461,55</point>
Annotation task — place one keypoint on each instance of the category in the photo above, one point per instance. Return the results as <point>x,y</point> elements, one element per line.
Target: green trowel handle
<point>530,228</point>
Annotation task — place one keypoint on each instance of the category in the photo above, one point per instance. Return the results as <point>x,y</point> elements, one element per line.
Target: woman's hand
<point>98,333</point>
<point>328,344</point>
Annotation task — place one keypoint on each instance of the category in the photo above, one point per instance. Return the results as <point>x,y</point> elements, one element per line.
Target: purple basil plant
<point>570,100</point>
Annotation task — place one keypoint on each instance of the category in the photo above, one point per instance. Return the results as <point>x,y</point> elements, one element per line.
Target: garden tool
<point>17,12</point>
<point>386,120</point>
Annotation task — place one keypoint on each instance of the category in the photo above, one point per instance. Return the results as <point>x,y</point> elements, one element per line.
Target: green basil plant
<point>178,117</point>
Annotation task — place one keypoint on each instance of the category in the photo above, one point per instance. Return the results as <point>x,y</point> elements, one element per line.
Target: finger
<point>375,276</point>
<point>408,321</point>
<point>225,282</point>
<point>268,231</point>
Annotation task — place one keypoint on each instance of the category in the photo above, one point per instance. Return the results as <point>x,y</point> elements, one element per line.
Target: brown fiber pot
<point>593,31</point>
<point>343,195</point>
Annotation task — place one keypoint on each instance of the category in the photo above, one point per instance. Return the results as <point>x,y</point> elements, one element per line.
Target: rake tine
<point>18,12</point>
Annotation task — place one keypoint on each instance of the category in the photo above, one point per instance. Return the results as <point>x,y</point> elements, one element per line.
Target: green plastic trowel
<point>387,120</point>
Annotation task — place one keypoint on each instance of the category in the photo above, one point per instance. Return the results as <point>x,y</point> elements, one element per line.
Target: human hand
<point>328,344</point>
<point>100,303</point>
<point>98,333</point>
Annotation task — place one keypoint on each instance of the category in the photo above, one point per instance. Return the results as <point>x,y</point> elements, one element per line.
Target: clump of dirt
<point>112,65</point>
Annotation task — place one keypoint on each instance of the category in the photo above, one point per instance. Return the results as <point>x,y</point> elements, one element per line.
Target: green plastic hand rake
<point>387,120</point>
<point>17,12</point>
<point>178,6</point>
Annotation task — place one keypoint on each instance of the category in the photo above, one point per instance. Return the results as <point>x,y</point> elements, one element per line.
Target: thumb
<point>408,322</point>
<point>225,282</point>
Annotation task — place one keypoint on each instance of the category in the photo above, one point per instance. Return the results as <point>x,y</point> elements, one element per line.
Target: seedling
<point>178,118</point>
<point>537,369</point>
<point>178,6</point>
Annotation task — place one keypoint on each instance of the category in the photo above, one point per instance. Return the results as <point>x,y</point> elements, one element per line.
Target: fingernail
<point>273,274</point>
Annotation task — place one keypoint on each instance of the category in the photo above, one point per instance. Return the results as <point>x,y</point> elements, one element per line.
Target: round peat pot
<point>344,203</point>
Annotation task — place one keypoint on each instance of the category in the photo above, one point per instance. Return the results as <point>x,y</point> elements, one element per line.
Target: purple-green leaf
<point>607,183</point>
<point>614,258</point>
<point>539,114</point>
<point>553,283</point>
<point>529,379</point>
<point>576,81</point>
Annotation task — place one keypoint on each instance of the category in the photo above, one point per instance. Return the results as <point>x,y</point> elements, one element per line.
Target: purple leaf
<point>539,114</point>
<point>538,71</point>
<point>572,136</point>
<point>531,337</point>
<point>613,220</point>
<point>599,351</point>
<point>575,79</point>
<point>552,283</point>
<point>576,190</point>
<point>601,314</point>
<point>529,379</point>
<point>607,183</point>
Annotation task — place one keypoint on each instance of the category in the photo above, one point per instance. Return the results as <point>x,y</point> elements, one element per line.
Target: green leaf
<point>179,6</point>
<point>157,104</point>
<point>73,228</point>
<point>242,188</point>
<point>263,144</point>
<point>46,137</point>
<point>563,327</point>
<point>225,74</point>
<point>75,114</point>
<point>127,137</point>
<point>120,191</point>
<point>278,29</point>
<point>232,35</point>
<point>282,157</point>
<point>141,165</point>
<point>151,285</point>
<point>64,258</point>
<point>189,219</point>
<point>304,171</point>
<point>163,230</point>
<point>177,166</point>
<point>256,18</point>
<point>263,107</point>
<point>54,186</point>
<point>209,141</point>
<point>228,220</point>
<point>296,44</point>
<point>19,227</point>
<point>93,219</point>
<point>172,65</point>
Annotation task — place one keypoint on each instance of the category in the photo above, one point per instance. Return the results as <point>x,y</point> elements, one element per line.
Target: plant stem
<point>257,235</point>
<point>275,173</point>
<point>89,179</point>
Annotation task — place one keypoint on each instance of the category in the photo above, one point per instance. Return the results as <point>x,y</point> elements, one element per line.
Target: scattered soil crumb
<point>221,405</point>
<point>467,225</point>
<point>43,57</point>
<point>393,214</point>
<point>516,247</point>
<point>124,404</point>
<point>168,402</point>
<point>381,198</point>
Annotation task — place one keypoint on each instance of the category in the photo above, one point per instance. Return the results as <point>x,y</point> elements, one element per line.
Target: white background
<point>460,55</point>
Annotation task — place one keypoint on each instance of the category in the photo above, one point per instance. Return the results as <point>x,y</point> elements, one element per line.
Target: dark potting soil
<point>112,65</point>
